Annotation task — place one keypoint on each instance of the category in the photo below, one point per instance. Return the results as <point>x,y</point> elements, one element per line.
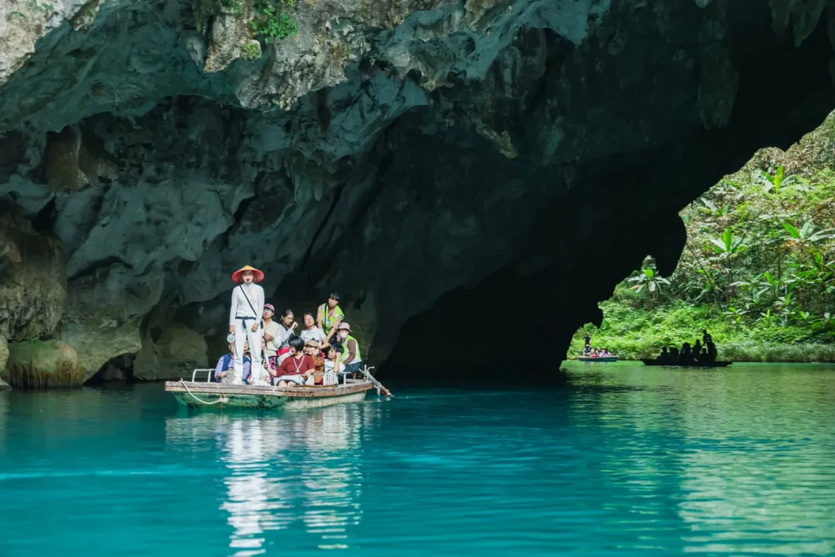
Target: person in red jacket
<point>298,367</point>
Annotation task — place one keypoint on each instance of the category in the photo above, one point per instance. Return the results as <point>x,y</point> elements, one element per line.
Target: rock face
<point>43,364</point>
<point>33,282</point>
<point>4,354</point>
<point>476,170</point>
<point>171,352</point>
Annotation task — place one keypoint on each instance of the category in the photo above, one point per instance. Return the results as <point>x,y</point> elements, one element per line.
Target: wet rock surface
<point>42,365</point>
<point>482,171</point>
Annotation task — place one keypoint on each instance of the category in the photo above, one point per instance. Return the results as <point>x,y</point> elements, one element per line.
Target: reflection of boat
<point>598,359</point>
<point>296,471</point>
<point>718,363</point>
<point>205,394</point>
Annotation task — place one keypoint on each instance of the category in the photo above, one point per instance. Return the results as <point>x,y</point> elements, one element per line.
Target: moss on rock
<point>43,365</point>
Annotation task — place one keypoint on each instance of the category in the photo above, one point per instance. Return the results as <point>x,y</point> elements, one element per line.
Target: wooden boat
<point>208,394</point>
<point>599,359</point>
<point>717,363</point>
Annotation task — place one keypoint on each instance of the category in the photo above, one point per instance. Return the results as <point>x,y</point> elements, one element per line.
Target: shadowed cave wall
<point>472,176</point>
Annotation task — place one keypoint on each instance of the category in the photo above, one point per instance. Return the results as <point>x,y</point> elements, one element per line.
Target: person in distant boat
<point>685,357</point>
<point>706,337</point>
<point>587,338</point>
<point>312,332</point>
<point>333,365</point>
<point>697,349</point>
<point>296,368</point>
<point>271,328</point>
<point>225,367</point>
<point>710,357</point>
<point>351,357</point>
<point>664,356</point>
<point>311,348</point>
<point>330,315</point>
<point>286,329</point>
<point>245,320</point>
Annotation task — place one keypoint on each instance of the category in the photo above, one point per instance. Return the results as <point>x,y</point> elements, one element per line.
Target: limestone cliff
<point>483,170</point>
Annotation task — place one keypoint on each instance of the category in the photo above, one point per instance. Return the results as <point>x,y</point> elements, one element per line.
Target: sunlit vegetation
<point>758,270</point>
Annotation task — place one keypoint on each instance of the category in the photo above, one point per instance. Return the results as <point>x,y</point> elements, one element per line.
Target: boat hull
<point>216,395</point>
<point>717,363</point>
<point>606,359</point>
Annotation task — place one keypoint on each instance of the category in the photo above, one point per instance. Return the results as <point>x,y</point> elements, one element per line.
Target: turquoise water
<point>621,460</point>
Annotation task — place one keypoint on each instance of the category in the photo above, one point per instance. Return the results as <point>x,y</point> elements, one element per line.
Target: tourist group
<point>315,356</point>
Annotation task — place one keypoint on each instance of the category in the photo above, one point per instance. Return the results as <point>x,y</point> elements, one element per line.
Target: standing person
<point>312,332</point>
<point>245,320</point>
<point>330,315</point>
<point>351,356</point>
<point>587,338</point>
<point>270,333</point>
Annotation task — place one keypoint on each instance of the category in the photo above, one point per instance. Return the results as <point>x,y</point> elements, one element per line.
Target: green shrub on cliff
<point>273,20</point>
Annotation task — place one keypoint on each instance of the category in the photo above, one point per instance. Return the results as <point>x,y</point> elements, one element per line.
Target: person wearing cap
<point>245,321</point>
<point>311,348</point>
<point>224,370</point>
<point>271,331</point>
<point>329,315</point>
<point>351,356</point>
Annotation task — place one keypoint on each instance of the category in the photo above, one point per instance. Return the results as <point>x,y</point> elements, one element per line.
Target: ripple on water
<point>622,460</point>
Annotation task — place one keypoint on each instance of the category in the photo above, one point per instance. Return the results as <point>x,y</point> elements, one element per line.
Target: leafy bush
<point>273,20</point>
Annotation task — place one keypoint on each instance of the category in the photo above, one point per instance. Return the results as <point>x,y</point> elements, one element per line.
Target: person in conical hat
<point>245,321</point>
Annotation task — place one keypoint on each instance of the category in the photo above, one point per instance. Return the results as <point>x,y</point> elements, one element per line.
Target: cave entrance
<point>117,370</point>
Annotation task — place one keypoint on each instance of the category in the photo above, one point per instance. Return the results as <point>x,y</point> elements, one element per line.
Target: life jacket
<point>329,320</point>
<point>347,353</point>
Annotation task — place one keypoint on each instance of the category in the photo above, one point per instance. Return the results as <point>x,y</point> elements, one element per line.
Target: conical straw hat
<point>237,276</point>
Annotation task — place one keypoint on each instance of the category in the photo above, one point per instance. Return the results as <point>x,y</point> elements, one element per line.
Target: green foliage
<point>758,270</point>
<point>251,51</point>
<point>273,20</point>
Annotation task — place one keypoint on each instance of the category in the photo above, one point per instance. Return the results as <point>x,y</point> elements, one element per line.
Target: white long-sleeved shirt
<point>240,307</point>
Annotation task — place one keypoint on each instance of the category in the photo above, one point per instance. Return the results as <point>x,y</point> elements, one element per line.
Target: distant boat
<point>598,359</point>
<point>655,362</point>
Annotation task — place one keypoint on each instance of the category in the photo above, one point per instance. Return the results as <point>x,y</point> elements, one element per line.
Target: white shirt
<point>240,305</point>
<point>315,333</point>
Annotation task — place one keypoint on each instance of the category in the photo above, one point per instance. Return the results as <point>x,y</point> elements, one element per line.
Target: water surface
<point>621,460</point>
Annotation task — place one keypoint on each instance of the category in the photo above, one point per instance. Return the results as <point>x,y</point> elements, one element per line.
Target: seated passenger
<point>226,364</point>
<point>311,348</point>
<point>664,356</point>
<point>286,329</point>
<point>297,367</point>
<point>312,332</point>
<point>351,357</point>
<point>710,357</point>
<point>333,365</point>
<point>685,358</point>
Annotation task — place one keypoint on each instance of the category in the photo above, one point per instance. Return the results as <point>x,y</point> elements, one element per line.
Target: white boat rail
<point>207,371</point>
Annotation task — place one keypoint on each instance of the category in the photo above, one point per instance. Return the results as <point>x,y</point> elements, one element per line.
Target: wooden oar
<point>365,371</point>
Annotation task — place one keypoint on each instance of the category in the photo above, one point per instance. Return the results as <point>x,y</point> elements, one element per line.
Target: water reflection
<point>295,470</point>
<point>742,459</point>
